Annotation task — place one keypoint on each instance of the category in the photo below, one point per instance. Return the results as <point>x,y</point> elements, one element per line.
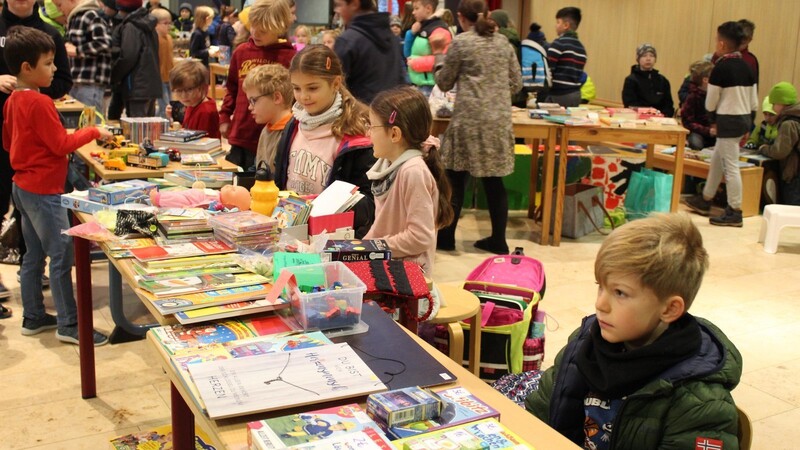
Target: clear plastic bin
<point>337,306</point>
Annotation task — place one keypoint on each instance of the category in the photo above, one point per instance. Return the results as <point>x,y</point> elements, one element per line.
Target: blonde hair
<point>271,78</point>
<point>320,61</point>
<point>664,250</point>
<point>201,16</point>
<point>188,74</point>
<point>161,14</point>
<point>271,15</point>
<point>302,28</point>
<point>699,70</point>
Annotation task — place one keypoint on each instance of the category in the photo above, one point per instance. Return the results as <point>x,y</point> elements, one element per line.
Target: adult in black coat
<point>371,59</point>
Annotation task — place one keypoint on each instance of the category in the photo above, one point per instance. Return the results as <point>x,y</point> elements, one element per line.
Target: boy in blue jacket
<point>642,372</point>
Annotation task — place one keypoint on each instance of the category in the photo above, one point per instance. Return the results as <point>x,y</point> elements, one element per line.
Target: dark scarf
<point>612,370</point>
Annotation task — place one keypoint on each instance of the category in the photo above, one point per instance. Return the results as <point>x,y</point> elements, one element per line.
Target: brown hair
<point>26,45</point>
<point>320,61</point>
<point>476,12</point>
<point>433,3</point>
<point>271,15</point>
<point>201,16</point>
<point>664,250</point>
<point>271,78</point>
<point>407,18</point>
<point>407,109</point>
<point>699,70</point>
<point>188,74</point>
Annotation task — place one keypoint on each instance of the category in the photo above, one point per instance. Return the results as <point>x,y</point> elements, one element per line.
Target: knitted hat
<point>766,106</point>
<point>395,20</point>
<point>129,5</point>
<point>110,4</point>
<point>52,10</point>
<point>783,93</point>
<point>645,48</point>
<point>501,17</point>
<point>185,6</point>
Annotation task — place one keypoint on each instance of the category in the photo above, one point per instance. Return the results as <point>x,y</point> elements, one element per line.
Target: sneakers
<point>45,280</point>
<point>5,313</point>
<point>31,327</point>
<point>70,336</point>
<point>5,294</point>
<point>730,218</point>
<point>698,204</point>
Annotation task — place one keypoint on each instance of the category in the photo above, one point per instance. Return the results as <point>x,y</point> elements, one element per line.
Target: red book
<point>199,248</point>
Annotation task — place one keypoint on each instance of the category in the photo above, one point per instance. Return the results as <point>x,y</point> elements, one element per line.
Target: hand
<point>416,28</point>
<point>104,133</point>
<point>223,129</point>
<point>713,130</point>
<point>72,51</point>
<point>168,112</point>
<point>7,83</point>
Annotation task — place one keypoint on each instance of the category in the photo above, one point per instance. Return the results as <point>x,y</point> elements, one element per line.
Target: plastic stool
<point>776,217</point>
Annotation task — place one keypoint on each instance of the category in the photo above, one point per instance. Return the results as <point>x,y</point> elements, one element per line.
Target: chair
<point>745,434</point>
<point>775,218</point>
<point>459,305</point>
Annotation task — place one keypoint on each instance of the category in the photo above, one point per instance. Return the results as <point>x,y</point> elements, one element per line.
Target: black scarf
<point>612,370</point>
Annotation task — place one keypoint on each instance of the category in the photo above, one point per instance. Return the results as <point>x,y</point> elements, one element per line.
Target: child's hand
<point>7,83</point>
<point>416,28</point>
<point>104,133</point>
<point>223,129</point>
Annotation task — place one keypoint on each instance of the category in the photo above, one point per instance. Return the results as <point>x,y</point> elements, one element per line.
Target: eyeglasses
<point>185,90</point>
<point>253,100</point>
<point>370,127</point>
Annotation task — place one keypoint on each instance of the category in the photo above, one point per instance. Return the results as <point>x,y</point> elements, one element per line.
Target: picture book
<point>176,337</point>
<point>281,380</point>
<point>243,222</point>
<point>291,211</point>
<point>296,429</point>
<point>207,299</point>
<point>459,406</point>
<point>190,272</point>
<point>159,438</point>
<point>157,252</point>
<point>165,265</point>
<point>182,135</point>
<point>351,250</point>
<point>368,439</point>
<point>121,248</point>
<point>486,434</point>
<point>200,283</point>
<point>197,159</point>
<point>203,144</point>
<point>236,309</point>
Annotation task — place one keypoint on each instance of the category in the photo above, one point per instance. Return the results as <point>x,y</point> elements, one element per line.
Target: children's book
<point>236,309</point>
<point>176,264</point>
<point>121,248</point>
<point>200,283</point>
<point>338,197</point>
<point>182,135</point>
<point>368,439</point>
<point>206,299</point>
<point>487,434</point>
<point>311,426</point>
<point>273,381</point>
<point>157,252</point>
<point>203,144</point>
<point>159,438</point>
<point>291,211</point>
<point>191,272</point>
<point>176,337</point>
<point>197,159</point>
<point>244,222</point>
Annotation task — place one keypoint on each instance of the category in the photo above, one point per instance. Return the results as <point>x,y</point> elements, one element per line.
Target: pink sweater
<point>406,215</point>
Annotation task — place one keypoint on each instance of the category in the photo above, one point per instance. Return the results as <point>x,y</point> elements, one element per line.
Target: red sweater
<point>203,117</point>
<point>37,142</point>
<point>244,131</point>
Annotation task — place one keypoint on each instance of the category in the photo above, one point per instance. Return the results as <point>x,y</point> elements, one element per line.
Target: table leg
<point>475,345</point>
<point>83,274</point>
<point>560,187</point>
<point>456,344</point>
<point>677,181</point>
<point>548,166</point>
<point>182,421</point>
<point>534,178</point>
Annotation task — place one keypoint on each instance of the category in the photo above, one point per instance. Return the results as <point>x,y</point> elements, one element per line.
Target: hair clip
<point>328,63</point>
<point>392,116</point>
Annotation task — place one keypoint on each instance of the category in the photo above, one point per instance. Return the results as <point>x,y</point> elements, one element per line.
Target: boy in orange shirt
<point>270,96</point>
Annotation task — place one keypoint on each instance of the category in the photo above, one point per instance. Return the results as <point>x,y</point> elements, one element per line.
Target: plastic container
<point>264,193</point>
<point>329,308</point>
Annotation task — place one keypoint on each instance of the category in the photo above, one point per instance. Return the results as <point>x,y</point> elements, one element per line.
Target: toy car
<point>114,164</point>
<point>174,154</point>
<point>155,160</point>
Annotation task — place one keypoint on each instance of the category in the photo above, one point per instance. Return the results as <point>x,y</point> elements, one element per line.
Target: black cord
<point>378,358</point>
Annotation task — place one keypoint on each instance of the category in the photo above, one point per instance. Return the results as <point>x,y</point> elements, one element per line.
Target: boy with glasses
<point>189,83</point>
<point>270,97</point>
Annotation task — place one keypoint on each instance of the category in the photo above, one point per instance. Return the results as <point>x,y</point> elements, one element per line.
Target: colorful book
<point>200,283</point>
<point>487,434</point>
<point>165,265</point>
<point>157,252</point>
<point>291,211</point>
<point>159,438</point>
<point>122,248</point>
<point>236,309</point>
<point>191,272</point>
<point>350,250</point>
<point>176,337</point>
<point>204,144</point>
<point>211,178</point>
<point>274,381</point>
<point>402,406</point>
<point>243,222</point>
<point>207,299</point>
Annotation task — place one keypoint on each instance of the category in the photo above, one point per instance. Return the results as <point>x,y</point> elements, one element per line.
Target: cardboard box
<point>403,406</point>
<point>116,193</point>
<point>330,223</point>
<point>79,201</point>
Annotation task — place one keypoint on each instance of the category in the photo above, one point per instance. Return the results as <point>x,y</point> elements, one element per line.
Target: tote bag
<point>648,191</point>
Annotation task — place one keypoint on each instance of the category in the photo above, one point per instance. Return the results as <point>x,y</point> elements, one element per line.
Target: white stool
<point>776,217</point>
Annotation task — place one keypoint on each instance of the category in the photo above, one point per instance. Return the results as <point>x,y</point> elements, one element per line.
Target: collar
<point>281,123</point>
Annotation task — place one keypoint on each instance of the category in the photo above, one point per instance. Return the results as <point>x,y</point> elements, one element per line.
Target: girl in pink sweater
<point>412,194</point>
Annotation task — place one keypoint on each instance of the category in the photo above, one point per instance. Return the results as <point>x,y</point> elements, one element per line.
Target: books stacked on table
<point>182,135</point>
<point>246,229</point>
<point>212,179</point>
<point>212,146</point>
<point>183,225</point>
<point>198,159</point>
<point>291,211</point>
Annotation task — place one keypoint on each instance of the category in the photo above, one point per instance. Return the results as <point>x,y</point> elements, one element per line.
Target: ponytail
<point>445,213</point>
<point>355,116</point>
<point>475,11</point>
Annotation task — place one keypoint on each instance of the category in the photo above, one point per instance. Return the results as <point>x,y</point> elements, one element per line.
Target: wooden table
<point>232,433</point>
<point>215,70</point>
<point>461,305</point>
<point>535,132</point>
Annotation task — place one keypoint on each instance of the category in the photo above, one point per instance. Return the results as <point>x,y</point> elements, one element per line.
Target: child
<point>189,82</point>
<point>267,19</point>
<point>396,25</point>
<point>693,111</point>
<point>748,28</point>
<point>731,101</point>
<point>37,145</point>
<point>645,86</point>
<point>185,22</point>
<point>412,194</point>
<point>227,32</point>
<point>642,366</point>
<point>270,96</point>
<point>567,57</point>
<point>165,63</point>
<point>301,37</point>
<point>329,38</point>
<point>420,57</point>
<point>199,42</point>
<point>767,131</point>
<point>325,141</point>
<point>786,147</point>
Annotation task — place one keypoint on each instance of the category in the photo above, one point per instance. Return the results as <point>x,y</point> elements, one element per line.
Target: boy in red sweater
<point>38,146</point>
<point>189,83</point>
<point>268,19</point>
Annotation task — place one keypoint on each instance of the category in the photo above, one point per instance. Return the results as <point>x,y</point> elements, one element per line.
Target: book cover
<point>200,283</point>
<point>459,406</point>
<point>159,438</point>
<point>191,272</point>
<point>182,135</point>
<point>367,439</point>
<point>351,250</point>
<point>203,144</point>
<point>157,252</point>
<point>206,299</point>
<point>243,222</point>
<point>236,309</point>
<point>197,159</point>
<point>336,198</point>
<point>273,381</point>
<point>176,337</point>
<point>121,248</point>
<point>488,434</point>
<point>147,267</point>
<point>291,211</point>
<point>211,178</point>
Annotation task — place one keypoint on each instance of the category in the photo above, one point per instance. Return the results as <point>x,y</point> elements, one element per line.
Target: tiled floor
<point>753,296</point>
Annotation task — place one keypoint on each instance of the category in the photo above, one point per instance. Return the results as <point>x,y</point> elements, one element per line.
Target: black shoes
<point>730,218</point>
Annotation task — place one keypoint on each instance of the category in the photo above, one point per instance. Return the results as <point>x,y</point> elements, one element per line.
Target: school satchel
<point>398,284</point>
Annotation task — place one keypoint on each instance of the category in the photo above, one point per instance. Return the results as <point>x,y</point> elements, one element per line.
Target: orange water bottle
<point>264,193</point>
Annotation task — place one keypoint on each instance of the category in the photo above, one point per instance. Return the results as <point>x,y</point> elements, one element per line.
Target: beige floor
<point>753,296</point>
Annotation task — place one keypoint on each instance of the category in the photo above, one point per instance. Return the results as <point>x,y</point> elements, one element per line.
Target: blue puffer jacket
<point>688,401</point>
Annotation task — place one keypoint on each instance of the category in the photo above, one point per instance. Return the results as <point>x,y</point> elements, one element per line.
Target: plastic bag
<point>10,237</point>
<point>93,231</point>
<point>648,191</point>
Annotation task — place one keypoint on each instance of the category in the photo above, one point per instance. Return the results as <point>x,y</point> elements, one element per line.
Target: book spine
<point>350,256</point>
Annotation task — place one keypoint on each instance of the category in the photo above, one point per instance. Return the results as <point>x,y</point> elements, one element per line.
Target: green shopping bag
<point>648,191</point>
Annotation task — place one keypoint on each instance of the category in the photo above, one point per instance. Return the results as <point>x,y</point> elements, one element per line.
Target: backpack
<point>536,74</point>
